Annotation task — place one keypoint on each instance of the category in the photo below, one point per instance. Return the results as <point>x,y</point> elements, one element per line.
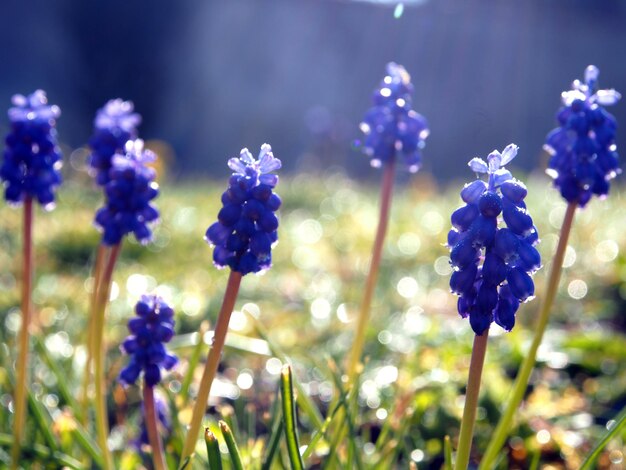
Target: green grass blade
<point>233,450</point>
<point>322,432</point>
<point>273,442</point>
<point>303,400</point>
<point>193,361</point>
<point>36,408</point>
<point>60,376</point>
<point>620,421</point>
<point>44,453</point>
<point>447,453</point>
<point>289,418</point>
<point>84,440</point>
<point>213,450</point>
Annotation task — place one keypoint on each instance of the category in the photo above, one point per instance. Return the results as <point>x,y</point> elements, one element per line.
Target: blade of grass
<point>303,400</point>
<point>274,440</point>
<point>447,453</point>
<point>193,361</point>
<point>213,450</point>
<point>233,450</point>
<point>620,421</point>
<point>289,418</point>
<point>322,432</point>
<point>42,424</point>
<point>60,375</point>
<point>44,453</point>
<point>84,440</point>
<point>534,461</point>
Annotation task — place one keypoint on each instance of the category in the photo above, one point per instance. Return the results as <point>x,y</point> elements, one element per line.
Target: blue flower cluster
<point>115,124</point>
<point>32,159</point>
<point>391,127</point>
<point>128,193</point>
<point>584,157</point>
<point>493,290</point>
<point>153,326</point>
<point>246,226</point>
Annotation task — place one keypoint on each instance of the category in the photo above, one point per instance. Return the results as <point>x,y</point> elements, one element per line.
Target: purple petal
<point>478,165</point>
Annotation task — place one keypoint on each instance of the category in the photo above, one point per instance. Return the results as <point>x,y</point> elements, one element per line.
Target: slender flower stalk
<point>492,266</point>
<point>391,129</point>
<point>242,237</point>
<point>156,445</point>
<point>521,382</point>
<point>30,171</point>
<point>471,400</point>
<point>97,275</point>
<point>584,160</point>
<point>99,349</point>
<point>22,362</point>
<point>386,193</point>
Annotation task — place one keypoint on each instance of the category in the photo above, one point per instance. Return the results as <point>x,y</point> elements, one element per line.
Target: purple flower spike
<point>391,127</point>
<point>246,227</point>
<point>492,264</point>
<point>32,159</point>
<point>115,124</point>
<point>584,155</point>
<point>128,193</point>
<point>145,344</point>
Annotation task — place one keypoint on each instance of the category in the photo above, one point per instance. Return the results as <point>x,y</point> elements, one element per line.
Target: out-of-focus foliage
<point>417,346</point>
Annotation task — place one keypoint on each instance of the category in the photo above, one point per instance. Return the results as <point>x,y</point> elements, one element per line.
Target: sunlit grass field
<point>417,349</point>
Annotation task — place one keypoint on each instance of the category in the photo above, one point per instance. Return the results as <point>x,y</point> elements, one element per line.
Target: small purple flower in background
<point>492,290</point>
<point>115,124</point>
<point>584,157</point>
<point>128,193</point>
<point>247,227</point>
<point>32,159</point>
<point>391,127</point>
<point>153,326</point>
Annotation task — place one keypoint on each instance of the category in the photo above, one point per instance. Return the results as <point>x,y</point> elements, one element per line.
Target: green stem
<point>289,418</point>
<point>210,368</point>
<point>519,388</point>
<point>471,400</point>
<point>619,423</point>
<point>91,322</point>
<point>386,192</point>
<point>22,358</point>
<point>150,416</point>
<point>102,426</point>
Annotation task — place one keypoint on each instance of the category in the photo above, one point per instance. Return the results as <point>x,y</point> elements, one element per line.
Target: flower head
<point>150,329</point>
<point>115,124</point>
<point>128,193</point>
<point>493,264</point>
<point>584,156</point>
<point>247,225</point>
<point>391,127</point>
<point>32,159</point>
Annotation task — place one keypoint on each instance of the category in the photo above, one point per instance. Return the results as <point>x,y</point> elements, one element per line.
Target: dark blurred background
<point>210,77</point>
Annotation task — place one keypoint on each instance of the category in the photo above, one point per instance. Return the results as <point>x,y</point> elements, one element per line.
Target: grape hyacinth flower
<point>150,330</point>
<point>391,127</point>
<point>243,237</point>
<point>584,160</point>
<point>584,157</point>
<point>493,291</point>
<point>127,209</point>
<point>492,266</point>
<point>129,193</point>
<point>114,125</point>
<point>247,224</point>
<point>29,172</point>
<point>32,159</point>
